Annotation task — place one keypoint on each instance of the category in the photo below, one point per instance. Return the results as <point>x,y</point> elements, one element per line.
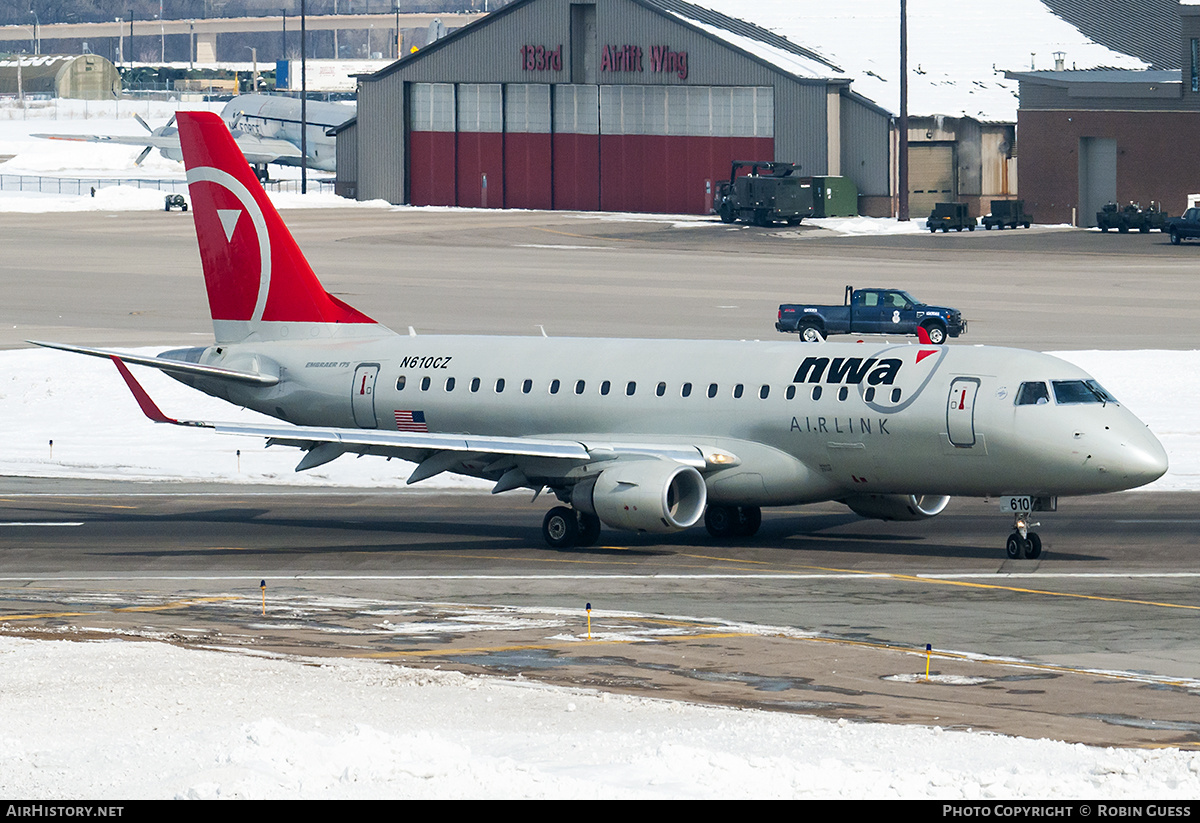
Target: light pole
<point>303,101</point>
<point>254,75</point>
<point>37,41</point>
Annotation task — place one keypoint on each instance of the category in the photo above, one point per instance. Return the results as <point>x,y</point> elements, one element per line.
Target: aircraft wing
<point>154,141</point>
<point>515,462</point>
<point>259,150</point>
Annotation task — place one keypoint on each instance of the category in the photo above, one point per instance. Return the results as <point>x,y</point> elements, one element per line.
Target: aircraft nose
<point>1139,459</point>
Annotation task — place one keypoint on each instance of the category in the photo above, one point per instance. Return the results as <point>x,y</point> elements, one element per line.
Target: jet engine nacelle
<point>644,495</point>
<point>897,506</point>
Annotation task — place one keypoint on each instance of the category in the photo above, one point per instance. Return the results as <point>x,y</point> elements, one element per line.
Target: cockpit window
<point>1033,394</point>
<point>1080,391</point>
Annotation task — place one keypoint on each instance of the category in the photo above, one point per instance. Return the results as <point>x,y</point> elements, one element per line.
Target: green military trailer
<point>834,197</point>
<point>771,192</point>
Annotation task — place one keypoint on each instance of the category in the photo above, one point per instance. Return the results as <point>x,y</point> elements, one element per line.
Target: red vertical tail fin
<point>257,278</point>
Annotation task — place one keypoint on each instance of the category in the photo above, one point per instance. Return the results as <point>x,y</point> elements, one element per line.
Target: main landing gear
<point>732,521</point>
<point>1023,542</point>
<point>565,528</point>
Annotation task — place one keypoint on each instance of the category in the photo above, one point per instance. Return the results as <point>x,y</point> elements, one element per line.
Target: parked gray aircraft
<point>265,127</point>
<point>641,435</point>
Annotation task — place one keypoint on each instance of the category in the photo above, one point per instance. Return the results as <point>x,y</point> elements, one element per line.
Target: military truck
<point>1133,216</point>
<point>946,216</point>
<point>1007,214</point>
<point>771,192</point>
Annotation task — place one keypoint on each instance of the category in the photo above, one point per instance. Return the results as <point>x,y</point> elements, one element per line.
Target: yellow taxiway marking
<point>941,581</point>
<point>176,604</point>
<point>69,503</point>
<point>588,236</point>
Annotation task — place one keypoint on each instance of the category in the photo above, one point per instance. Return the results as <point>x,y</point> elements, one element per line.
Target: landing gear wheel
<point>589,530</point>
<point>721,521</point>
<point>732,521</point>
<point>560,528</point>
<point>1014,546</point>
<point>1033,546</point>
<point>749,520</point>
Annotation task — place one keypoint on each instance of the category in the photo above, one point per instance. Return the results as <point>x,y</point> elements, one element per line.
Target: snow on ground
<point>147,720</point>
<point>123,719</point>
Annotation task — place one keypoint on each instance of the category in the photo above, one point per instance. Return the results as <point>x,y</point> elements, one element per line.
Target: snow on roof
<point>957,53</point>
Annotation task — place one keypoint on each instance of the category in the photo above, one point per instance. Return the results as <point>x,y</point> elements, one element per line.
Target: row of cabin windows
<point>660,390</point>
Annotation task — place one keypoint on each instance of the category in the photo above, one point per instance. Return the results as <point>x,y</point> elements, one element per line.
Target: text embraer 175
<point>640,435</point>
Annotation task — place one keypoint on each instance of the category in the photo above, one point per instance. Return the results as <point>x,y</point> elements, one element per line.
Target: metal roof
<point>1148,29</point>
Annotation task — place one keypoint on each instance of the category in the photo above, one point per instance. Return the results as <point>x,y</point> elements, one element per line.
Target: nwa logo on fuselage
<point>854,370</point>
<point>882,369</point>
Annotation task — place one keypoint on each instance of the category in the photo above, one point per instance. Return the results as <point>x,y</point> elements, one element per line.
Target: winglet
<point>923,336</point>
<point>149,408</point>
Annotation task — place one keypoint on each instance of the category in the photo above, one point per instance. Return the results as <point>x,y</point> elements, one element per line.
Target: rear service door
<point>362,397</point>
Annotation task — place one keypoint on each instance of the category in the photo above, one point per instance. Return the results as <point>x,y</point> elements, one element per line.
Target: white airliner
<point>640,435</point>
<point>266,129</point>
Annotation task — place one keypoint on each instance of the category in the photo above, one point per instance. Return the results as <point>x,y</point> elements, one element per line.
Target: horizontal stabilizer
<point>176,366</point>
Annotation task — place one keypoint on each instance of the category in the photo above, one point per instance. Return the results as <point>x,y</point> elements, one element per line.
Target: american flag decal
<point>411,421</point>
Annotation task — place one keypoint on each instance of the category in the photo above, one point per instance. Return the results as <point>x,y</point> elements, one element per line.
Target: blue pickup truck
<point>871,311</point>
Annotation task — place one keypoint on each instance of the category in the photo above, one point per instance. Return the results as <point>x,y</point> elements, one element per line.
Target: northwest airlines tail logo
<point>905,371</point>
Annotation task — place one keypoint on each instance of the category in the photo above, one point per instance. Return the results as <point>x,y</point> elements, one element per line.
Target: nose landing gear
<point>1022,541</point>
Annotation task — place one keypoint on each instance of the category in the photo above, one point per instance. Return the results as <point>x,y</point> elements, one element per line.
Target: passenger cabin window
<point>791,392</point>
<point>554,384</point>
<point>869,394</point>
<point>400,381</point>
<point>685,390</point>
<point>424,384</point>
<point>475,384</point>
<point>816,393</point>
<point>764,391</point>
<point>449,384</point>
<point>843,393</point>
<point>1080,391</point>
<point>737,390</point>
<point>1032,394</point>
<point>579,386</point>
<point>499,385</point>
<point>660,389</point>
<point>896,395</point>
<point>605,387</point>
<point>712,389</point>
<point>630,388</point>
<point>527,387</point>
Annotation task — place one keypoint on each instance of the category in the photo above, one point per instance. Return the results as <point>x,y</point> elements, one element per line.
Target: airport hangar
<point>611,105</point>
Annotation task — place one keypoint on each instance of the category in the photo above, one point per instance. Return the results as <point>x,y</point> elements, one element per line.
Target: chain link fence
<point>89,185</point>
